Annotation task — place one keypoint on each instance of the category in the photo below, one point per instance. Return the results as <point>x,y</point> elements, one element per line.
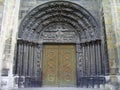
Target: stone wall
<point>115,8</point>
<point>111,12</point>
<point>8,34</point>
<point>1,14</point>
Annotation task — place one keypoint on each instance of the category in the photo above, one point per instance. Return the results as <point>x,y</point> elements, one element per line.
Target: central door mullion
<point>58,67</point>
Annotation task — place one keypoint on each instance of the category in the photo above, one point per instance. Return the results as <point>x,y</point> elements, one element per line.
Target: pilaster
<point>110,13</point>
<point>8,39</point>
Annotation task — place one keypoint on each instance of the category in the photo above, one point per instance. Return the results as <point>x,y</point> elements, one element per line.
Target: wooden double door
<point>59,66</point>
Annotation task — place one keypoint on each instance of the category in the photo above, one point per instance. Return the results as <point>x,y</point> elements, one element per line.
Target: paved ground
<point>58,89</point>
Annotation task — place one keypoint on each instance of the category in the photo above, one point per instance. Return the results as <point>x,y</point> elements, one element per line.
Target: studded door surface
<point>59,66</point>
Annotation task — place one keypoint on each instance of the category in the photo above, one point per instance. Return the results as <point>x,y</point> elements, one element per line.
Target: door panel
<point>59,65</point>
<point>67,68</point>
<point>50,66</point>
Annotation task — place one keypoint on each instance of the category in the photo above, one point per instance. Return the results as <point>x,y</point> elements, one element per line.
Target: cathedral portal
<point>60,44</point>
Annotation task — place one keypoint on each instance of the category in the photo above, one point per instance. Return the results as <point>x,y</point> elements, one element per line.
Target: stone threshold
<point>59,88</point>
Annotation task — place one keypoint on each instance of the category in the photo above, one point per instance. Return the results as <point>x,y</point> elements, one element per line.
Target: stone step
<point>59,88</point>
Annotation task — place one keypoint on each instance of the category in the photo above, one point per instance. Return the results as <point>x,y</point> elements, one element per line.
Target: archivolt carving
<point>59,11</point>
